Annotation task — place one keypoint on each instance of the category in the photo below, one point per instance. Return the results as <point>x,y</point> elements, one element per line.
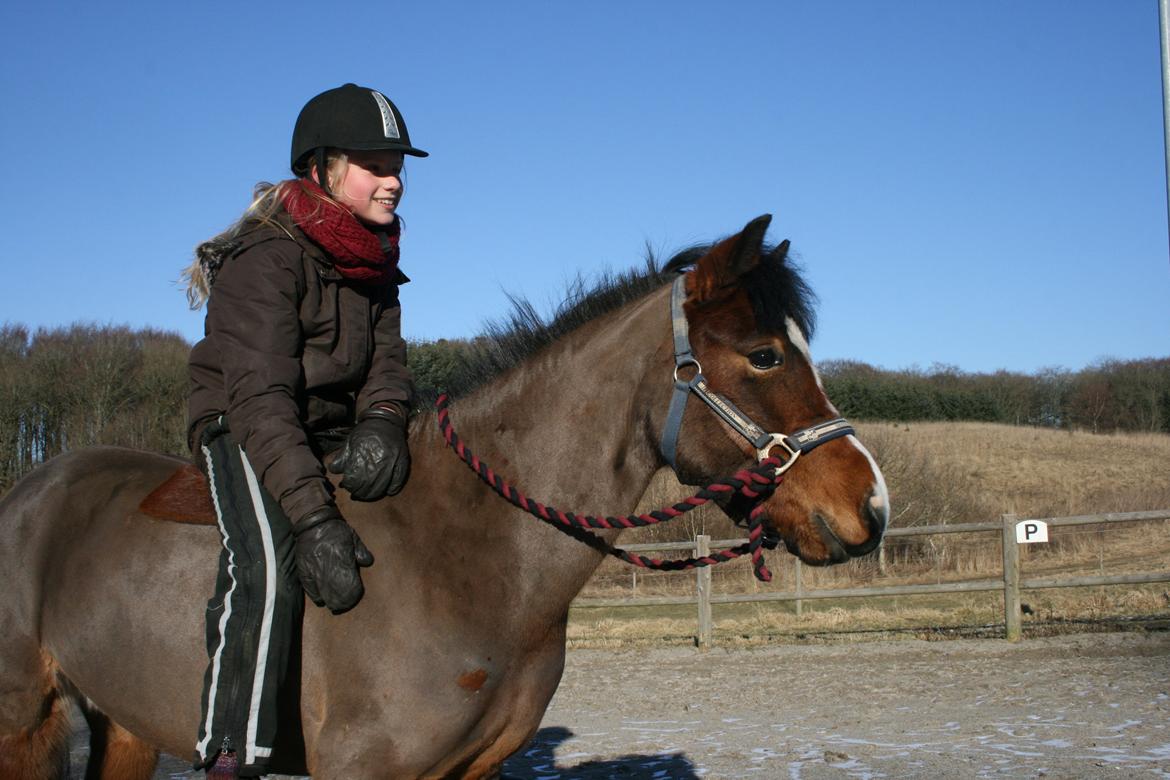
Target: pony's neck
<point>569,427</point>
<point>568,421</point>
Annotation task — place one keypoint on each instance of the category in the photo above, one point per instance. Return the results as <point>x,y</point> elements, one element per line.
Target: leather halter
<point>793,444</point>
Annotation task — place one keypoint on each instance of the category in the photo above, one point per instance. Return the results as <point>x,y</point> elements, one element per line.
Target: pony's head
<point>750,318</point>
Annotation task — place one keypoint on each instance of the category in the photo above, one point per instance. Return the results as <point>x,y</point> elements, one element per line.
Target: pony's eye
<point>765,358</point>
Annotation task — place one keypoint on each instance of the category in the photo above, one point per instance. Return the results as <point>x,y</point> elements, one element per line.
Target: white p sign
<point>1029,531</point>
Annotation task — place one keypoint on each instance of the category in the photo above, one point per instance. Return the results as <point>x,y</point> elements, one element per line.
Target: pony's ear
<point>728,260</point>
<point>780,253</point>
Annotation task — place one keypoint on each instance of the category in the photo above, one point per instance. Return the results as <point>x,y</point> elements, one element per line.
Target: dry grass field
<point>1033,472</point>
<point>938,473</point>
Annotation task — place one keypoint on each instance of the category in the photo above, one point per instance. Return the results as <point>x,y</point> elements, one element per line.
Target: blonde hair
<point>267,202</point>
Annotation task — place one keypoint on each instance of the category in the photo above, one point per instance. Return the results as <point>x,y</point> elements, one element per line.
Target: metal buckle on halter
<point>683,362</point>
<point>778,440</point>
<point>804,440</point>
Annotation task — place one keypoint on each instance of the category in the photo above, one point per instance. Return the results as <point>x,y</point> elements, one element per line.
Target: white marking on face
<point>880,500</point>
<point>798,341</point>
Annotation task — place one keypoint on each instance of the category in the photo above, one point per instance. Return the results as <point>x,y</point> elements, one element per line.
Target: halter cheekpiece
<point>793,444</point>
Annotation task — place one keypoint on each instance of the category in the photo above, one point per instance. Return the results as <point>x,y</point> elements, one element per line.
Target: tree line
<point>1110,395</point>
<point>65,388</point>
<point>70,387</point>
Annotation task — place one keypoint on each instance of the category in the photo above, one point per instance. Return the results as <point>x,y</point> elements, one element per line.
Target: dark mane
<point>776,290</point>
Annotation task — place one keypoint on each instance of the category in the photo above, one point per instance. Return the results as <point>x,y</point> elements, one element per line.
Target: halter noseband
<point>793,444</point>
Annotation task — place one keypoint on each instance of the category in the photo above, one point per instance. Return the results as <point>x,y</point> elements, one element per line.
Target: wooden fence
<point>1010,583</point>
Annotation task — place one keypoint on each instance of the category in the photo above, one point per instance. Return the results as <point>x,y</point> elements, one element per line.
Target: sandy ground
<point>1085,706</point>
<point>1080,706</point>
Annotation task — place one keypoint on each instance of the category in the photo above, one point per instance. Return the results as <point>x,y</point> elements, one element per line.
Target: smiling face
<point>371,185</point>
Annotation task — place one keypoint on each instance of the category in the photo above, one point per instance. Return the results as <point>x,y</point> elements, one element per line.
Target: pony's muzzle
<point>838,551</point>
<point>874,512</point>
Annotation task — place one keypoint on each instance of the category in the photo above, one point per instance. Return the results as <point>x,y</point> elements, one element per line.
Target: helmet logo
<point>389,125</point>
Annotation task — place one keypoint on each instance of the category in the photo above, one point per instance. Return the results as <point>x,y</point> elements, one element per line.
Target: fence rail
<point>1010,583</point>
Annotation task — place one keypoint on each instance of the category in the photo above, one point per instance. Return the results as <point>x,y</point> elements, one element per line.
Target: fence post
<point>799,588</point>
<point>1011,580</point>
<point>703,591</point>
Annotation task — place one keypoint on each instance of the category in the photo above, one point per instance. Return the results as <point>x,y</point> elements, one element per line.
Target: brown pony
<point>447,665</point>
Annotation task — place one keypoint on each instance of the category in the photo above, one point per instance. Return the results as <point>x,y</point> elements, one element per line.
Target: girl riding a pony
<point>302,356</point>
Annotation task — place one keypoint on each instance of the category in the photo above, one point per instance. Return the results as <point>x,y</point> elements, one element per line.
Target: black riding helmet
<point>348,117</point>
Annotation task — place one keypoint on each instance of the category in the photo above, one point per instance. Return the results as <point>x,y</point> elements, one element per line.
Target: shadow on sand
<point>535,762</point>
<point>538,762</point>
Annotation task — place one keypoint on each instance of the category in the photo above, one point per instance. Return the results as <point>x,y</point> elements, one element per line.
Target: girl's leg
<point>254,617</point>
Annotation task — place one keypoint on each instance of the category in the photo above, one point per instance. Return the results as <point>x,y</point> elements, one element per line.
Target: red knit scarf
<point>356,251</point>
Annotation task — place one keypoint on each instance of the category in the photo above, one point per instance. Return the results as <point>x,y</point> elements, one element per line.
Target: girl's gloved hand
<point>375,460</point>
<point>328,554</point>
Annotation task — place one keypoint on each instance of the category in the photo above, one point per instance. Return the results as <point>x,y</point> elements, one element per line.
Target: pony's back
<point>77,554</point>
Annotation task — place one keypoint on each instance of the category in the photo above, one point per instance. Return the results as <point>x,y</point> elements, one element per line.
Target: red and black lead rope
<point>755,483</point>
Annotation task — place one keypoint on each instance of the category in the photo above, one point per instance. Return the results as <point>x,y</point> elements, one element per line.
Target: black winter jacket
<point>291,350</point>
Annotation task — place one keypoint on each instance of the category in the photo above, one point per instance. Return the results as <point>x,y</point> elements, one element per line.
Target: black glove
<point>374,460</point>
<point>329,553</point>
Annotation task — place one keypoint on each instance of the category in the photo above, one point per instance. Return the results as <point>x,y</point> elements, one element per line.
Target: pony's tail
<point>115,753</point>
<point>40,752</point>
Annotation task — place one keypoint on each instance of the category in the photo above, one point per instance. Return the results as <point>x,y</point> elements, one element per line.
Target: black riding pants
<point>255,616</point>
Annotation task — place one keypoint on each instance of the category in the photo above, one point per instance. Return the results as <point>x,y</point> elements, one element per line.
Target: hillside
<point>1034,472</point>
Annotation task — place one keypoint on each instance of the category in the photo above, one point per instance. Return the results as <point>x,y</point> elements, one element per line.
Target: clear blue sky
<point>972,183</point>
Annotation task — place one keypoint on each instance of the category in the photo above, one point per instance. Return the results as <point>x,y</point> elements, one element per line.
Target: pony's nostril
<point>837,551</point>
<point>875,521</point>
